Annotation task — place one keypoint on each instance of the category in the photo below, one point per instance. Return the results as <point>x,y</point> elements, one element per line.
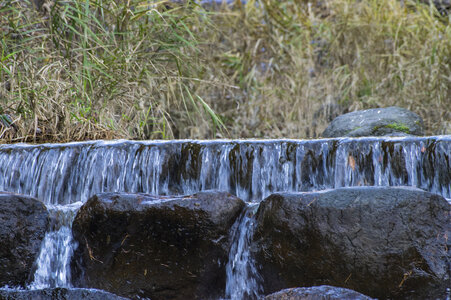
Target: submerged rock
<point>385,242</point>
<point>137,245</point>
<point>390,121</point>
<point>57,294</point>
<point>324,292</point>
<point>23,223</point>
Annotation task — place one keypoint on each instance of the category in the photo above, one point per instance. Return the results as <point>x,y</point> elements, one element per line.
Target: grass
<point>91,69</point>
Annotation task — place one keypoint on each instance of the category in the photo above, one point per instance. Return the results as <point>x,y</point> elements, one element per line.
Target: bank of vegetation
<point>95,69</point>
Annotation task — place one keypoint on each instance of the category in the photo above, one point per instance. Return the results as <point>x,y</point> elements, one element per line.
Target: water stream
<point>68,173</point>
<point>53,263</point>
<point>64,176</point>
<point>243,281</point>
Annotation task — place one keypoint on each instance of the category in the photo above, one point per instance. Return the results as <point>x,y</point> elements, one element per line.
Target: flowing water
<point>53,263</point>
<point>63,175</point>
<point>68,173</point>
<point>243,281</point>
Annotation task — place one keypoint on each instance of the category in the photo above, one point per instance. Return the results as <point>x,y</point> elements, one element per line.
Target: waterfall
<point>242,275</point>
<point>252,170</point>
<point>53,263</point>
<point>64,176</point>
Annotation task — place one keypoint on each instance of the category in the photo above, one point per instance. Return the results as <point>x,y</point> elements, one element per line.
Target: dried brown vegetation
<point>93,69</point>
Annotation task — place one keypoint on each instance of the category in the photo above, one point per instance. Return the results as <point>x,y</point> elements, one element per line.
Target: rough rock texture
<point>58,294</point>
<point>391,121</point>
<point>324,292</point>
<point>137,245</point>
<point>23,223</point>
<point>380,241</point>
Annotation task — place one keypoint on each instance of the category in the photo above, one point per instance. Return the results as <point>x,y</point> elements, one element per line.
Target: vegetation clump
<point>90,69</point>
<point>398,127</point>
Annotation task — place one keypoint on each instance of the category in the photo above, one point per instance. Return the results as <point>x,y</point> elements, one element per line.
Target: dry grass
<point>83,69</point>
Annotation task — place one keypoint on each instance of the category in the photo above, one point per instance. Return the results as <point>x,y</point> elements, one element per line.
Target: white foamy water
<point>252,170</point>
<point>53,263</point>
<point>243,280</point>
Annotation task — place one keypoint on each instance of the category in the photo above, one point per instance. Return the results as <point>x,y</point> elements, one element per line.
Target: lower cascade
<point>242,274</point>
<point>227,219</point>
<point>53,263</point>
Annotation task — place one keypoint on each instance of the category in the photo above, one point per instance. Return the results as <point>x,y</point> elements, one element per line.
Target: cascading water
<point>53,263</point>
<point>252,170</point>
<point>61,175</point>
<point>242,275</point>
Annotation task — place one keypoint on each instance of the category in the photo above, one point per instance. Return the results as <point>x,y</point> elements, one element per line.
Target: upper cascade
<point>250,169</point>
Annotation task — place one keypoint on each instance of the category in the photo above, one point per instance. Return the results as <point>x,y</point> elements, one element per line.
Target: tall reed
<point>89,69</point>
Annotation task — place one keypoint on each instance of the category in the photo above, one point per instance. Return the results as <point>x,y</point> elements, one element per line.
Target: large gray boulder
<point>384,242</point>
<point>137,245</point>
<point>323,292</point>
<point>392,121</point>
<point>23,223</point>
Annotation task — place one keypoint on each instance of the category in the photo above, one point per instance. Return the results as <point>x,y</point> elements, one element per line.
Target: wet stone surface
<point>23,223</point>
<point>324,292</point>
<point>137,245</point>
<point>385,242</point>
<point>57,294</point>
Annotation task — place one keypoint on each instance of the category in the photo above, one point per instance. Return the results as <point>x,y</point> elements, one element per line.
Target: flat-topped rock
<point>138,245</point>
<point>384,242</point>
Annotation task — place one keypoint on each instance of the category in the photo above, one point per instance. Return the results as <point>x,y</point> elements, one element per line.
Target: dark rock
<point>324,292</point>
<point>137,245</point>
<point>390,121</point>
<point>23,223</point>
<point>385,242</point>
<point>57,294</point>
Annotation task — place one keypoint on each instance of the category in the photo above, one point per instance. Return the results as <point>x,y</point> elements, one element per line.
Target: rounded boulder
<point>23,223</point>
<point>390,121</point>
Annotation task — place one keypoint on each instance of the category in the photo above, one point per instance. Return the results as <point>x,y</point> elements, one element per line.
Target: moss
<point>396,126</point>
<point>399,127</point>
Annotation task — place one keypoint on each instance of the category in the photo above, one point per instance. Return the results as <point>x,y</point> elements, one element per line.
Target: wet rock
<point>385,242</point>
<point>324,292</point>
<point>57,294</point>
<point>390,121</point>
<point>23,223</point>
<point>137,245</point>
